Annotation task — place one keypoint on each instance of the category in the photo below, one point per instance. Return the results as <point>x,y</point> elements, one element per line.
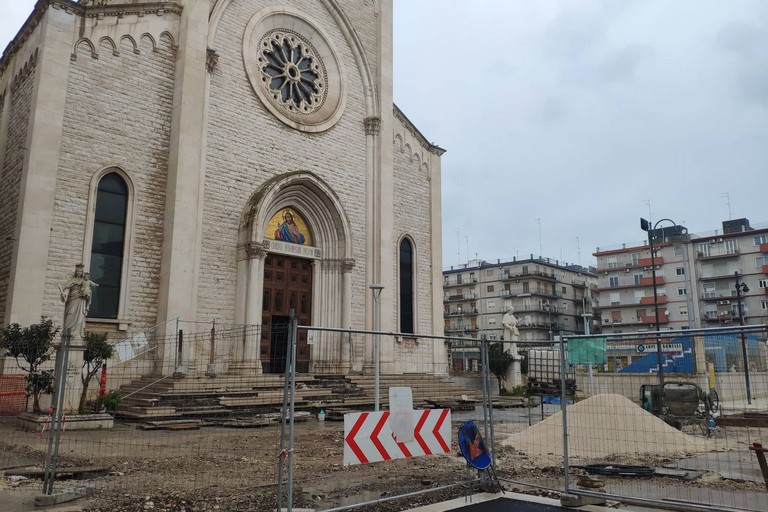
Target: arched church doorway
<point>287,285</point>
<point>295,250</point>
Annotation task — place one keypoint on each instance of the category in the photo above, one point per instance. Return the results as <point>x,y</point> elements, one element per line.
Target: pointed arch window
<point>108,245</point>
<point>406,286</point>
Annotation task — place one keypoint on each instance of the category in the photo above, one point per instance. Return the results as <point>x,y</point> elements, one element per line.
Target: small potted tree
<point>97,351</point>
<point>31,347</point>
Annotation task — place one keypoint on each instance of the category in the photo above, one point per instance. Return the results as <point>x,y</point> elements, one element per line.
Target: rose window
<point>292,72</point>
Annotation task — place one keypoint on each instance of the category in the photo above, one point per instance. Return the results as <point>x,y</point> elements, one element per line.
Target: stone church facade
<point>196,156</point>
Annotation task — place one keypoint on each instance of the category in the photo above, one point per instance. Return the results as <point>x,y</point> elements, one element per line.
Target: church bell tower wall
<point>117,117</point>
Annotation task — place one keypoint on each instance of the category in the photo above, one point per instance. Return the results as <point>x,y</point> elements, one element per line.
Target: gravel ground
<point>236,469</point>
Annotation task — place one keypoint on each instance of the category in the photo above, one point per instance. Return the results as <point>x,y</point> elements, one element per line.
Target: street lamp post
<point>646,226</point>
<point>548,307</point>
<point>376,290</point>
<point>742,287</point>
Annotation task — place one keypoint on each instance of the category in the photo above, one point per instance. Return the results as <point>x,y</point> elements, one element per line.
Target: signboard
<point>368,436</point>
<point>472,446</point>
<point>665,347</point>
<point>587,350</point>
<point>401,413</point>
<point>304,251</point>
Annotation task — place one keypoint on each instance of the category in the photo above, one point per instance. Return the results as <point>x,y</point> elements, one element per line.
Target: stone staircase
<point>231,396</point>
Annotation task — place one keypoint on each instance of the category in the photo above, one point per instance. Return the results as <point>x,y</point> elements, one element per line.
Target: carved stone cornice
<point>372,125</point>
<point>211,60</point>
<point>432,148</point>
<point>337,266</point>
<point>347,265</point>
<point>85,10</point>
<point>24,71</point>
<point>250,251</point>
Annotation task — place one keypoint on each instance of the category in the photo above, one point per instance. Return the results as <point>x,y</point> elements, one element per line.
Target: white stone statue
<point>511,332</point>
<point>75,294</point>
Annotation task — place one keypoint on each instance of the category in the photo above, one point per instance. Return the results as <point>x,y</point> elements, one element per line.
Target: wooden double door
<point>287,285</point>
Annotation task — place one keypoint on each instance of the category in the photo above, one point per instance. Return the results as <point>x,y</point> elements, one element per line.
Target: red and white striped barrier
<point>368,436</point>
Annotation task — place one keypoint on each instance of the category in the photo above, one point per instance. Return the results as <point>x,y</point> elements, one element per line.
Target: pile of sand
<point>604,425</point>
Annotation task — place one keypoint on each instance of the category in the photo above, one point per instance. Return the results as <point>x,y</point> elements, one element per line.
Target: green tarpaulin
<point>586,351</point>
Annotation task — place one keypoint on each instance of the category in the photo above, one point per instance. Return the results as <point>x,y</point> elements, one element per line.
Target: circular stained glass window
<point>292,71</point>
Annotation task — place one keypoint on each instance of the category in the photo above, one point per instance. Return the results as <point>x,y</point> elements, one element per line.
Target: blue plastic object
<point>472,446</point>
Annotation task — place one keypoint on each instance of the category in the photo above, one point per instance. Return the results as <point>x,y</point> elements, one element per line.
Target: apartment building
<point>550,299</point>
<point>695,279</point>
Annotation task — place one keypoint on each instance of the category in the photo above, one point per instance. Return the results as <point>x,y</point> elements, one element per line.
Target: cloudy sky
<point>566,121</point>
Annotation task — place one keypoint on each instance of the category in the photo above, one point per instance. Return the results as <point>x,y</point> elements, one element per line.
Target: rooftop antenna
<point>650,215</point>
<point>466,239</point>
<point>540,251</point>
<point>458,246</point>
<point>727,197</point>
<point>578,249</point>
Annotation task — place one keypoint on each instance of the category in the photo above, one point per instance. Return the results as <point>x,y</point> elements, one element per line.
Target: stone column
<point>250,350</point>
<point>346,314</point>
<point>327,351</point>
<point>387,241</point>
<point>373,244</point>
<point>439,352</point>
<point>186,173</point>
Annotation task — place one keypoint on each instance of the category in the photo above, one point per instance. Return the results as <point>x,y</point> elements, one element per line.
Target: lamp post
<point>646,226</point>
<point>376,290</point>
<point>742,287</point>
<point>548,307</point>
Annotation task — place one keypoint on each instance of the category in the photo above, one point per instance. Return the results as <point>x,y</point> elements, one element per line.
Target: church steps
<point>227,395</point>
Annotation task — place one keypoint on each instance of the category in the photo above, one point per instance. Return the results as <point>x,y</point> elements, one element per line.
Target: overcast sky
<point>566,121</point>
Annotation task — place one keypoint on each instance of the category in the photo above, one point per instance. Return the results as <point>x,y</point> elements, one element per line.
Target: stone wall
<point>118,114</point>
<point>247,145</point>
<point>412,213</point>
<point>20,91</point>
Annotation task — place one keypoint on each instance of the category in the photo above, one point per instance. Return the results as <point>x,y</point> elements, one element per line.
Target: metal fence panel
<point>684,438</point>
<point>196,425</point>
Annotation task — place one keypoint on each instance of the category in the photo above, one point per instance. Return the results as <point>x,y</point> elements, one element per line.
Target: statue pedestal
<point>514,375</point>
<point>73,386</point>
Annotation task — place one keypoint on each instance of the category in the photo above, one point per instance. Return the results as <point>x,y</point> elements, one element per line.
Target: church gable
<point>286,95</point>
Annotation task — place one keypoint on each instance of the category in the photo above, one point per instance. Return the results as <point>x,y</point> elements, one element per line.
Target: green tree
<point>498,363</point>
<point>97,351</point>
<point>32,346</point>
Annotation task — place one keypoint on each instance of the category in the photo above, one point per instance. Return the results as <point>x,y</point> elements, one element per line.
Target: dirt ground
<point>236,469</point>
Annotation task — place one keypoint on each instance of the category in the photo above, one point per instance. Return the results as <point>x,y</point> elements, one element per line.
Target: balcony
<point>646,262</point>
<point>651,319</point>
<point>465,329</point>
<point>717,252</point>
<point>648,281</point>
<point>460,312</point>
<point>660,299</point>
<point>722,317</point>
<point>460,282</point>
<point>717,295</point>
<point>505,293</point>
<point>765,269</point>
<point>763,247</point>
<point>527,275</point>
<point>465,296</point>
<point>727,275</point>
